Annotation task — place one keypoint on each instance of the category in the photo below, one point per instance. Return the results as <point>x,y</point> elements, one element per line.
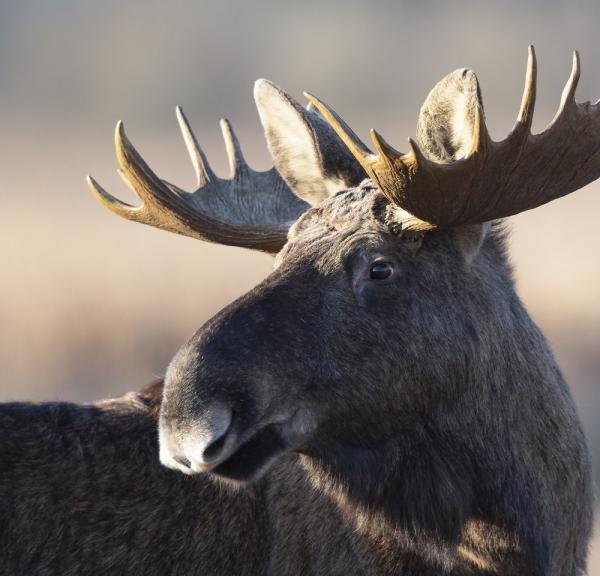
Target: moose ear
<point>306,151</point>
<point>446,130</point>
<point>447,122</point>
<point>469,238</point>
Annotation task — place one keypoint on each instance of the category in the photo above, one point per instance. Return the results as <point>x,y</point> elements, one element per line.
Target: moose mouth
<point>253,457</point>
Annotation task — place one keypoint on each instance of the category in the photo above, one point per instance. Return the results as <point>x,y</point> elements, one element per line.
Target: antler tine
<point>525,117</point>
<point>475,179</point>
<point>224,211</point>
<point>415,156</point>
<point>481,138</point>
<point>384,149</point>
<point>143,181</point>
<point>360,151</point>
<point>204,173</point>
<point>567,100</point>
<point>113,204</point>
<point>234,150</point>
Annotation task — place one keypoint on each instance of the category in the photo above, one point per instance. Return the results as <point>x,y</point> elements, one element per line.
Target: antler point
<point>121,140</point>
<point>384,149</point>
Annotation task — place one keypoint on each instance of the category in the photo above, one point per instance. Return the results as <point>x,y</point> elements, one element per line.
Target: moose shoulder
<point>381,403</point>
<point>82,492</point>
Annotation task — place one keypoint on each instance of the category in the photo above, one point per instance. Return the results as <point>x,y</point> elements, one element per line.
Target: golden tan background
<point>91,305</point>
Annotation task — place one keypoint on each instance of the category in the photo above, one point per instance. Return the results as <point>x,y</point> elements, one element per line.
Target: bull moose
<point>381,403</point>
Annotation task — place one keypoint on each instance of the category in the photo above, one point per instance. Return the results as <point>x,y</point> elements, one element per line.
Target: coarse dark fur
<point>448,450</point>
<point>380,404</point>
<point>82,492</point>
<point>441,430</point>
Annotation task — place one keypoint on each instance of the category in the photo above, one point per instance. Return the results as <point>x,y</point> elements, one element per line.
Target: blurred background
<point>92,305</point>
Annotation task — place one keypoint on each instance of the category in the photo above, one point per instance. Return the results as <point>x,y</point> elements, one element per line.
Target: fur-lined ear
<point>469,238</point>
<point>307,153</point>
<point>445,133</point>
<point>446,125</point>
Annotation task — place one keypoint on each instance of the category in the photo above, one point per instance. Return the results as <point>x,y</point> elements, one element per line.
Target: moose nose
<point>202,445</point>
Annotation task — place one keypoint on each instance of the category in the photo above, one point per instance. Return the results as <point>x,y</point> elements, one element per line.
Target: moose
<point>381,403</point>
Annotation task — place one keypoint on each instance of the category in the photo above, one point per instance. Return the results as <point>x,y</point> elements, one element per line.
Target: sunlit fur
<point>414,425</point>
<point>439,436</point>
<point>445,440</point>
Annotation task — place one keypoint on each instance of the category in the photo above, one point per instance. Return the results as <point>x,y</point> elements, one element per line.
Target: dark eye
<point>380,271</point>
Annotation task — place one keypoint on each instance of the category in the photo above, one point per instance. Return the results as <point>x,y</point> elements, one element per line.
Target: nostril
<point>215,448</point>
<point>212,451</point>
<point>200,445</point>
<point>183,461</point>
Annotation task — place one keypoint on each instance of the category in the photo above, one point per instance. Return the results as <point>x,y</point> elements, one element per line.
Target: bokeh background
<point>92,305</point>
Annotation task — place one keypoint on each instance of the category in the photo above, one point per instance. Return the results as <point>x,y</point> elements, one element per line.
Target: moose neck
<point>411,488</point>
<point>443,487</point>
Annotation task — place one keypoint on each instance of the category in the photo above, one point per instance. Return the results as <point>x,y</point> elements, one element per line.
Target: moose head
<point>387,348</point>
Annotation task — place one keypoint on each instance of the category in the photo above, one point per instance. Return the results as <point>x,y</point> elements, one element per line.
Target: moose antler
<point>251,209</point>
<point>488,180</point>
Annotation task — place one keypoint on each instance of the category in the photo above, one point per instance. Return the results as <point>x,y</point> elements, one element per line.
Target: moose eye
<point>380,271</point>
